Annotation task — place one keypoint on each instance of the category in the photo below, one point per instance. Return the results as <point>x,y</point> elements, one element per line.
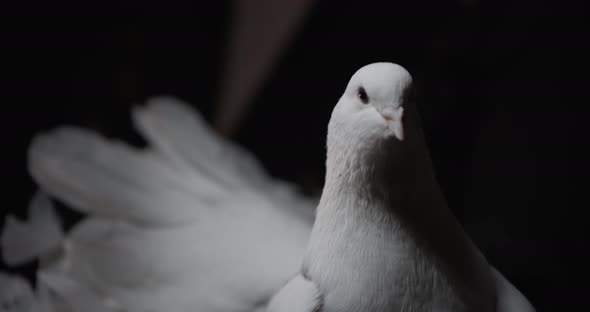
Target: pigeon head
<point>373,116</point>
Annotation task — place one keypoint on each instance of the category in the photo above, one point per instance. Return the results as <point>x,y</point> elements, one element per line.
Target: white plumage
<point>383,238</point>
<point>194,223</point>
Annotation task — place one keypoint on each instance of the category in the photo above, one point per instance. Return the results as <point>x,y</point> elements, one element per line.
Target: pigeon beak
<point>394,120</point>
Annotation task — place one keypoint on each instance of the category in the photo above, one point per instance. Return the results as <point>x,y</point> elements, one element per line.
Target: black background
<point>502,91</point>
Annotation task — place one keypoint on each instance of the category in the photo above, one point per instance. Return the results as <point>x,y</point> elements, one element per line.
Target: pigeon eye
<point>363,96</point>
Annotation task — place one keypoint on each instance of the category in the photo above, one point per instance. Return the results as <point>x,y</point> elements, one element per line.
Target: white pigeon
<point>383,238</point>
<point>193,223</point>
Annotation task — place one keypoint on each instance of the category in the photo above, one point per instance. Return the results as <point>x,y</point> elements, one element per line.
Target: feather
<point>184,137</point>
<point>114,180</point>
<point>17,295</point>
<point>191,223</point>
<point>24,241</point>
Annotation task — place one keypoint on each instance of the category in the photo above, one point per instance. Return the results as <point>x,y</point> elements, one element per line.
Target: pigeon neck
<point>403,207</point>
<point>396,186</point>
<point>389,170</point>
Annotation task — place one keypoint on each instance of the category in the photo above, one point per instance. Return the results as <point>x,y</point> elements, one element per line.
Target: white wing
<point>299,295</point>
<point>24,241</point>
<point>17,295</point>
<point>40,238</point>
<point>192,223</point>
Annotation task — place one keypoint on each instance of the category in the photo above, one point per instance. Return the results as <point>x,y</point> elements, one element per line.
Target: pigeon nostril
<point>387,116</point>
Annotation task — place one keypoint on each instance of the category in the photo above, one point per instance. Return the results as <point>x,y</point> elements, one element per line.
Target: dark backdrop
<point>502,89</point>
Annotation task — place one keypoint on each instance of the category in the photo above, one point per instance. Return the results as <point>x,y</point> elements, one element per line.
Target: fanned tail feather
<point>24,241</point>
<point>182,136</point>
<point>17,295</point>
<point>191,223</point>
<point>173,129</point>
<point>108,178</point>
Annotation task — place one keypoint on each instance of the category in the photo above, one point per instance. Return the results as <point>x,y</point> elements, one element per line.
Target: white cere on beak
<point>394,119</point>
